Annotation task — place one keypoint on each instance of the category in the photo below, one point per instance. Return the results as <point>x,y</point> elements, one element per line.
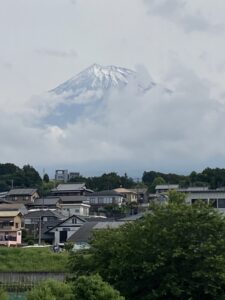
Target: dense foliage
<point>214,178</point>
<point>94,288</point>
<point>176,252</point>
<point>51,290</point>
<point>106,181</point>
<point>11,175</point>
<point>3,295</point>
<point>83,288</point>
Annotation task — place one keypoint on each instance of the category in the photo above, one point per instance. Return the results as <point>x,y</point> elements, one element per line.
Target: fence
<point>23,281</point>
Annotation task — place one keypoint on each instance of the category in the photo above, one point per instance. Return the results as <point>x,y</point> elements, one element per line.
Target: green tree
<point>46,178</point>
<point>3,295</point>
<point>175,252</point>
<point>51,290</point>
<point>157,181</point>
<point>94,288</point>
<point>31,177</point>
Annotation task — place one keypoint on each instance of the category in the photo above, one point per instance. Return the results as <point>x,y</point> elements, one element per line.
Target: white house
<point>65,229</point>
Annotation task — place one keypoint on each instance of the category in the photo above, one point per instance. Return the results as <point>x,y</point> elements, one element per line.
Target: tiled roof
<point>28,192</point>
<point>41,213</point>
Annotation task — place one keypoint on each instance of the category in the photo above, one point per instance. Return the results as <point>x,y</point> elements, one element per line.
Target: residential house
<point>99,201</point>
<point>129,195</point>
<point>74,205</point>
<point>10,228</point>
<point>34,220</point>
<point>73,189</point>
<point>142,194</point>
<point>18,207</point>
<point>62,231</point>
<point>22,195</point>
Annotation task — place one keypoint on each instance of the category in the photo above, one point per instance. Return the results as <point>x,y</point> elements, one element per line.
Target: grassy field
<point>32,260</point>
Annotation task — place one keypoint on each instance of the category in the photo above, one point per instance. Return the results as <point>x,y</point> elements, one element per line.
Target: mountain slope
<point>88,91</point>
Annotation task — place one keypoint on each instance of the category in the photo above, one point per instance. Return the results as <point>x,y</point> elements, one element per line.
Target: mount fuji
<point>88,90</point>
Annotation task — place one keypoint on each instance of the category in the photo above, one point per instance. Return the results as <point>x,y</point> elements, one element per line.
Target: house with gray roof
<point>23,195</point>
<point>71,189</point>
<point>65,229</point>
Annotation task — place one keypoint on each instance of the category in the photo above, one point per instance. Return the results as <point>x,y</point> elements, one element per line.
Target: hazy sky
<point>179,43</point>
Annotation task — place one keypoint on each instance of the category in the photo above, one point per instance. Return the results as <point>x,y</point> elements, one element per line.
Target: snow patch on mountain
<point>88,92</point>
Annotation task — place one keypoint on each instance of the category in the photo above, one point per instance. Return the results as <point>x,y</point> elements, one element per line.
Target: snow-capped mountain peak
<point>89,90</point>
<point>96,77</point>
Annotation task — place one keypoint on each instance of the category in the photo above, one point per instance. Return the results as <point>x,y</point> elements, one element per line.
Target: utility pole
<point>39,235</point>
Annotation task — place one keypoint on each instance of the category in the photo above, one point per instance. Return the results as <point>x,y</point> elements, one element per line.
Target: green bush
<point>51,290</point>
<point>94,288</point>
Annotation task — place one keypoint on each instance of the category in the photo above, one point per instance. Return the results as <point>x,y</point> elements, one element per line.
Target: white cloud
<point>184,13</point>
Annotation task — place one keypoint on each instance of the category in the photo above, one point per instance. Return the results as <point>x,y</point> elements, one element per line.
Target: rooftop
<point>22,192</point>
<point>9,213</point>
<point>71,187</point>
<point>167,186</point>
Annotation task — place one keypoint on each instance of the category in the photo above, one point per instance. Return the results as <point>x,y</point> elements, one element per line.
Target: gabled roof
<point>65,220</point>
<point>21,192</point>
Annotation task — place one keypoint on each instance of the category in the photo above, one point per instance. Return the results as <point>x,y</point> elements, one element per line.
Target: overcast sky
<point>179,43</point>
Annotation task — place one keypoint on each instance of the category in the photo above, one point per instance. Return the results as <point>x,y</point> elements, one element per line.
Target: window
<point>221,203</point>
<point>74,221</point>
<point>17,225</point>
<point>77,210</point>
